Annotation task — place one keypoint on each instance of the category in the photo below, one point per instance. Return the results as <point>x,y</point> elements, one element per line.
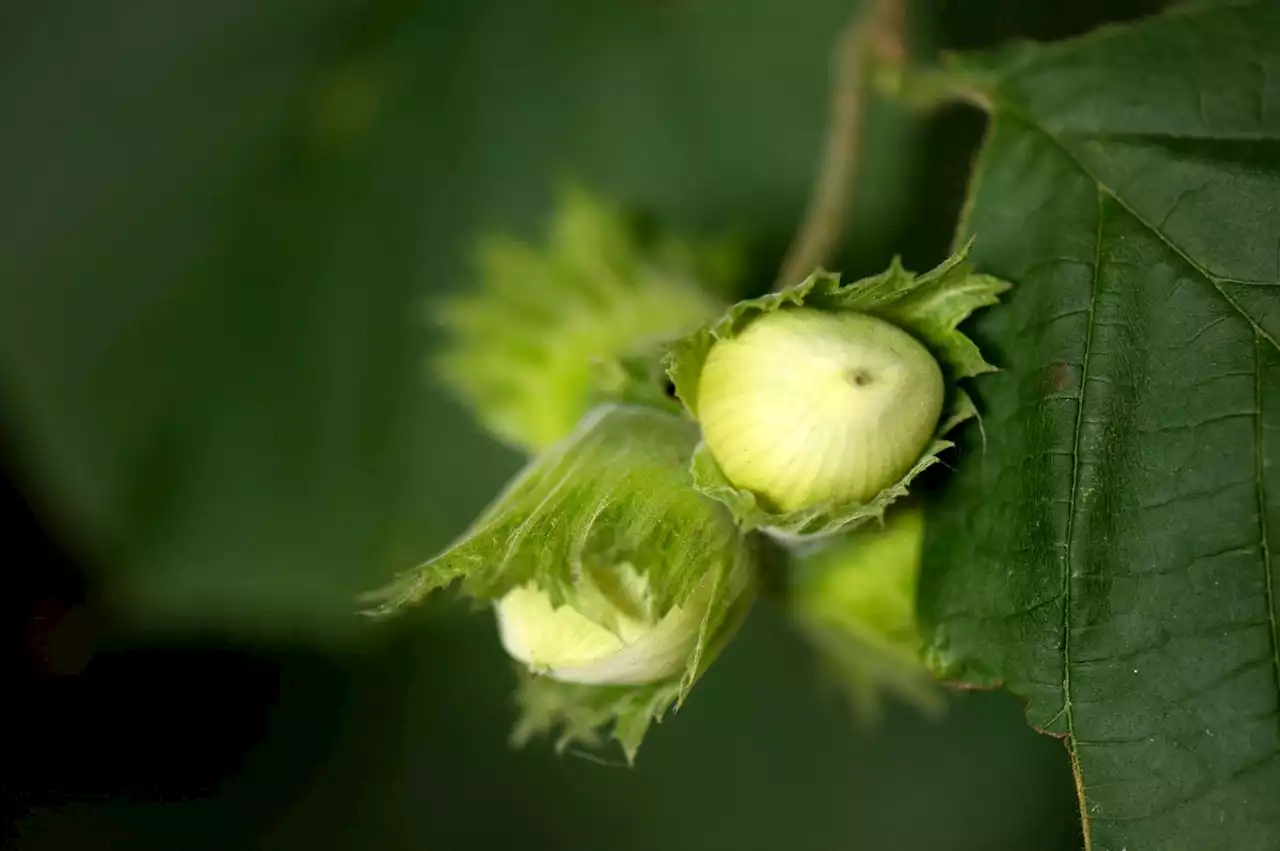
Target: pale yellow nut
<point>805,406</point>
<point>620,646</point>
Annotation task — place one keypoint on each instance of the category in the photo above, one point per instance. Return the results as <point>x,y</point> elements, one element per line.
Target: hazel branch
<point>874,37</point>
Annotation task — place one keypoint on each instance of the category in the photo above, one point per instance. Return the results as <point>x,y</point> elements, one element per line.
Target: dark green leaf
<point>1111,555</point>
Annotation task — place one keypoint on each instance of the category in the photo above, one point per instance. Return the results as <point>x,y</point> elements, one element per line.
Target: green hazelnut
<point>806,407</point>
<point>608,636</point>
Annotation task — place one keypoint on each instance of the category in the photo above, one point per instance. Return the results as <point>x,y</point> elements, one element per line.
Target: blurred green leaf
<point>1111,555</point>
<point>220,221</point>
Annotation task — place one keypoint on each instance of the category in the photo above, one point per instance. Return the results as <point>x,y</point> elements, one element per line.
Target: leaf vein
<point>1067,714</point>
<point>1262,516</point>
<point>1214,281</point>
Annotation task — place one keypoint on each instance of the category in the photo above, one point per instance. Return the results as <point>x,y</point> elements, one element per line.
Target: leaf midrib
<point>1067,571</point>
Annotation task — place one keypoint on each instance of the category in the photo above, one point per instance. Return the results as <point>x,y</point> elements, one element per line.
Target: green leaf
<point>524,342</point>
<point>929,306</point>
<point>1112,555</point>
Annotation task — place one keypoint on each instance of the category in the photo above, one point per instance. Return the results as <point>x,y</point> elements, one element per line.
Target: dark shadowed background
<point>221,224</point>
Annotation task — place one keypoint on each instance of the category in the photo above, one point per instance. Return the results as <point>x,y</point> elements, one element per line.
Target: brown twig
<point>874,37</point>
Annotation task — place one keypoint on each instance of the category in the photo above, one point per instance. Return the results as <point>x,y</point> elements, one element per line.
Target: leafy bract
<point>587,716</point>
<point>614,492</point>
<point>1112,556</point>
<point>635,379</point>
<point>523,342</point>
<point>929,306</point>
<point>854,595</point>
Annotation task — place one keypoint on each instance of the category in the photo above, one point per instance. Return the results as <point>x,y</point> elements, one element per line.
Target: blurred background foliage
<point>221,231</point>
